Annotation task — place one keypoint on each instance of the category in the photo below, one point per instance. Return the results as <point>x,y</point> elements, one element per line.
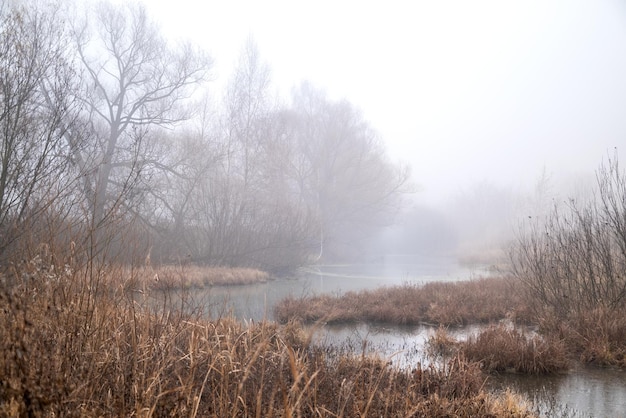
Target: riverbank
<point>67,349</point>
<point>196,276</point>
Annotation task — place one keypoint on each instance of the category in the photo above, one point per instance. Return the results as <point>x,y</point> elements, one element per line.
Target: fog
<point>495,106</point>
<point>295,150</point>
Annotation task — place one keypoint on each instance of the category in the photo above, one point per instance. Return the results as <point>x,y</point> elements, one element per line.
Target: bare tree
<point>134,81</point>
<point>233,200</point>
<point>342,171</point>
<point>36,107</point>
<point>235,211</point>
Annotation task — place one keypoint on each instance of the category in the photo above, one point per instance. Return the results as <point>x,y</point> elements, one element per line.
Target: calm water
<point>256,301</point>
<point>583,392</point>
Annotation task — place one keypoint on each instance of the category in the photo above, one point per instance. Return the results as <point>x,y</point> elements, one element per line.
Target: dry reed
<point>183,277</point>
<point>457,303</point>
<point>503,348</point>
<point>596,336</point>
<point>68,349</point>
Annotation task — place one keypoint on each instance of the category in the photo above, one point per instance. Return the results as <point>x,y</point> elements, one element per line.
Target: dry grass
<point>458,303</point>
<point>168,277</point>
<point>597,336</point>
<point>508,349</point>
<point>441,343</point>
<point>67,349</point>
<point>501,348</point>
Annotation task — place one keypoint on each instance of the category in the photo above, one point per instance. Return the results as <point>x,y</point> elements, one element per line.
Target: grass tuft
<point>500,348</point>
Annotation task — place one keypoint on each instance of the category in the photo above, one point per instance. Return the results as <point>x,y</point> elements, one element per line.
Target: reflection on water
<point>581,393</point>
<point>403,346</point>
<point>584,391</point>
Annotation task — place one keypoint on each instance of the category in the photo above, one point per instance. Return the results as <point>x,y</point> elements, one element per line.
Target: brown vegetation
<point>446,303</point>
<point>597,336</point>
<point>68,351</point>
<point>502,348</point>
<point>573,267</point>
<point>175,277</point>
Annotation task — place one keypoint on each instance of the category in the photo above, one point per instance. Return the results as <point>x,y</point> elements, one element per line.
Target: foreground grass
<point>437,303</point>
<point>67,349</point>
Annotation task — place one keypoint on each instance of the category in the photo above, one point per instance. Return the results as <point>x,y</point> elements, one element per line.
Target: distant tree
<point>169,208</point>
<point>483,216</point>
<point>241,216</point>
<point>342,172</point>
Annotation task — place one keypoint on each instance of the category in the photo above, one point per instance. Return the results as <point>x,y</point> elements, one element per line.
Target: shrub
<point>575,261</point>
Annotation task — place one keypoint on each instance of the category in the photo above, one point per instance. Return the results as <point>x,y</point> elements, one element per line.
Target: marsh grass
<point>502,348</point>
<point>204,276</point>
<point>441,344</point>
<point>597,336</point>
<point>69,349</point>
<point>436,303</point>
<point>182,277</point>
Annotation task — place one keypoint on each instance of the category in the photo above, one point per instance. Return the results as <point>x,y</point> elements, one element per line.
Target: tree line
<point>113,144</point>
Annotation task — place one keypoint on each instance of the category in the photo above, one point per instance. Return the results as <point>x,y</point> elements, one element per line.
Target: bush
<point>575,261</point>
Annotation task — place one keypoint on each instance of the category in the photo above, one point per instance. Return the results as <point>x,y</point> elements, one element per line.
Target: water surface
<point>256,302</point>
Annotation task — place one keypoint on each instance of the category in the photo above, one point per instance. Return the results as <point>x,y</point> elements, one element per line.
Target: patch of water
<point>403,346</point>
<point>581,392</point>
<point>256,301</point>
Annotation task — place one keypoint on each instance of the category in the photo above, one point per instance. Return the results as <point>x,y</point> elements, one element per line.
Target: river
<point>581,392</point>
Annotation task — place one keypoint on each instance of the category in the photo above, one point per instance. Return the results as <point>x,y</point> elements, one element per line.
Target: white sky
<point>462,90</point>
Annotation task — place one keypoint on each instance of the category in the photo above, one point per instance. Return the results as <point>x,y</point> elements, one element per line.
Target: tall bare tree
<point>134,81</point>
